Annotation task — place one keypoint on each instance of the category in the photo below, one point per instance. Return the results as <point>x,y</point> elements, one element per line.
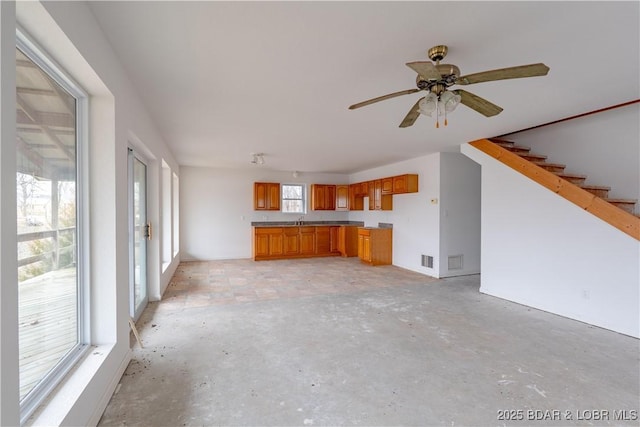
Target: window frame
<point>38,55</point>
<point>303,199</point>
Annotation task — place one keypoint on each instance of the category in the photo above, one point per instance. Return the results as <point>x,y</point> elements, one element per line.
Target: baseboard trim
<point>108,393</point>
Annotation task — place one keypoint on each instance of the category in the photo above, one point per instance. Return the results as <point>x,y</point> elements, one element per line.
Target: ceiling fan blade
<point>426,69</point>
<point>412,115</point>
<point>531,70</point>
<point>382,98</point>
<point>481,105</point>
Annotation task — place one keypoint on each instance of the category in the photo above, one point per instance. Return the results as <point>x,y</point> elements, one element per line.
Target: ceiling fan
<point>436,79</point>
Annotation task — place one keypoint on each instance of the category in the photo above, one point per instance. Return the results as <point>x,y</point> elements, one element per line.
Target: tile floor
<point>198,284</point>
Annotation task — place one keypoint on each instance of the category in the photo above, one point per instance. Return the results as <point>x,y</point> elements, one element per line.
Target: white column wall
<point>68,32</point>
<point>540,250</point>
<point>459,214</point>
<point>9,379</point>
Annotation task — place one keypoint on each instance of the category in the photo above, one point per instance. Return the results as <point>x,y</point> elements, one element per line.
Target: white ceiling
<point>225,79</point>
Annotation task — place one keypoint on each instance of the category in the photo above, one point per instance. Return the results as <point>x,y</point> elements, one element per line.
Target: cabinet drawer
<point>268,230</point>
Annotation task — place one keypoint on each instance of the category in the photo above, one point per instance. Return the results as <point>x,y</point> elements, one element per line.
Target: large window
<point>293,198</point>
<point>50,110</point>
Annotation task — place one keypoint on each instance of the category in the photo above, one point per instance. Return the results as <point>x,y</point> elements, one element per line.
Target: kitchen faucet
<point>299,221</point>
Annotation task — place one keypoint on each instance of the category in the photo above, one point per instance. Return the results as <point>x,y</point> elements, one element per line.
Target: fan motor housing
<point>449,73</point>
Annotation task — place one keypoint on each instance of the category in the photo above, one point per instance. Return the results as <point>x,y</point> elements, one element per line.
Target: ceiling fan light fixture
<point>258,159</point>
<point>449,101</point>
<point>427,105</point>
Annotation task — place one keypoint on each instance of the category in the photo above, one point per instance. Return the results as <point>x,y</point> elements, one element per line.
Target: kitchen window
<point>294,198</point>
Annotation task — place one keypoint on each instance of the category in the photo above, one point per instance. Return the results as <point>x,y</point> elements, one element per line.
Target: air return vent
<point>427,261</point>
<point>455,262</point>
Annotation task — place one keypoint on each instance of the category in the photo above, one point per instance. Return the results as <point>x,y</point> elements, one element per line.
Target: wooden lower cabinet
<point>268,242</point>
<point>335,235</point>
<point>374,245</point>
<point>291,241</point>
<point>307,240</point>
<point>295,242</point>
<point>323,240</point>
<point>348,240</point>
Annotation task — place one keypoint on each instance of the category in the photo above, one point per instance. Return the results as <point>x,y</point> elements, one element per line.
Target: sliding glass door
<point>139,234</point>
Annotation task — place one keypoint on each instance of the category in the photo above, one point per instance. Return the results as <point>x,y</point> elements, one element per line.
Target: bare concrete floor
<point>359,345</point>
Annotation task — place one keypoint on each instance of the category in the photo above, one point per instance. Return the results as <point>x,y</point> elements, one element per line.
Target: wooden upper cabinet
<point>356,198</point>
<point>323,197</point>
<point>330,197</point>
<point>387,185</point>
<point>266,196</point>
<point>405,184</point>
<point>377,200</point>
<point>372,195</point>
<point>360,189</point>
<point>342,197</point>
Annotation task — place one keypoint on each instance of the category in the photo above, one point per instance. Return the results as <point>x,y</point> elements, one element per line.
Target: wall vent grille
<point>455,262</point>
<point>427,261</point>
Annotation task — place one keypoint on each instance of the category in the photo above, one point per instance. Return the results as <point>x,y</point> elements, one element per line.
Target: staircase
<point>620,213</point>
<point>602,192</point>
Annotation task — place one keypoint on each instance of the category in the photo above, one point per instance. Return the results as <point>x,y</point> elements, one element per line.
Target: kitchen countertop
<point>305,223</point>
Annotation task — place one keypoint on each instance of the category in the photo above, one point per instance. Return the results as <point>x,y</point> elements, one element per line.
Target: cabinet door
<point>360,246</point>
<point>387,186</point>
<point>372,195</point>
<point>276,244</point>
<point>323,240</point>
<point>307,242</point>
<point>318,197</point>
<point>377,195</point>
<point>274,197</point>
<point>330,197</point>
<point>342,240</point>
<point>259,196</point>
<point>261,245</point>
<point>342,197</point>
<point>333,231</point>
<point>366,248</point>
<point>291,241</point>
<point>364,188</point>
<point>400,184</point>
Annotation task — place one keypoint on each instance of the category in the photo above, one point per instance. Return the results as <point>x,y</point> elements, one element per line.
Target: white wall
<point>604,146</point>
<point>217,209</point>
<point>540,250</point>
<point>70,34</point>
<point>459,213</point>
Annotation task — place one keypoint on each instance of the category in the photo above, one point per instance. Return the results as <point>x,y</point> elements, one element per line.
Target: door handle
<point>147,231</point>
